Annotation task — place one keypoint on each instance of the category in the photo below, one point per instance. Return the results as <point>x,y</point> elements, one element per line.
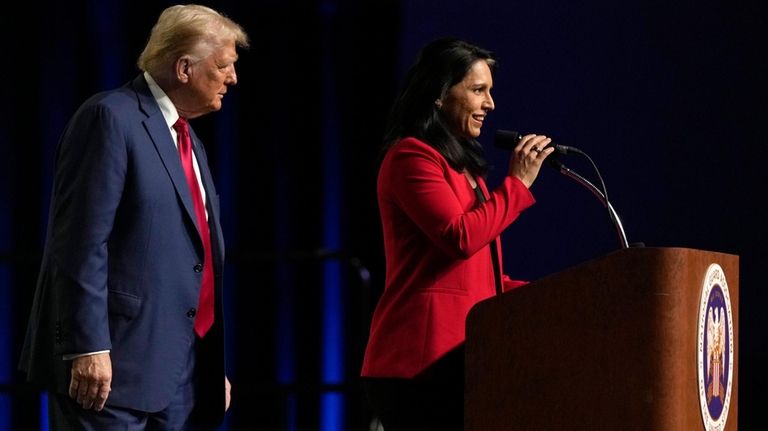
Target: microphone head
<point>506,139</point>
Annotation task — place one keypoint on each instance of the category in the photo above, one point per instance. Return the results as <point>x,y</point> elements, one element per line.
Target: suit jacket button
<point>191,312</point>
<point>199,267</point>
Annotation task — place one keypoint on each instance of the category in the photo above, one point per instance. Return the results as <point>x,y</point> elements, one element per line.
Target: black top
<point>494,249</point>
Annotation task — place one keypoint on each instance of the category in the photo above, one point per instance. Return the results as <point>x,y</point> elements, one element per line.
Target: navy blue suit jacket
<point>120,269</point>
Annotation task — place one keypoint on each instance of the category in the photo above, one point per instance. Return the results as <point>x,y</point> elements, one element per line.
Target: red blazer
<point>436,244</point>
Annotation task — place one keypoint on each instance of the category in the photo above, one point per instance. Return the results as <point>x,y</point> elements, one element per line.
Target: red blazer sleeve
<point>439,200</point>
<point>509,284</point>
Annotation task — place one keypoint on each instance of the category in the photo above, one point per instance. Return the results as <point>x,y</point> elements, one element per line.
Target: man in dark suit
<point>119,332</point>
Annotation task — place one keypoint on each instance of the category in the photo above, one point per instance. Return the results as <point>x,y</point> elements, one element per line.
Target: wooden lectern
<point>610,344</point>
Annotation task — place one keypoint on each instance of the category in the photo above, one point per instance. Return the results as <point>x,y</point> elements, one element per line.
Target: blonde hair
<point>192,30</point>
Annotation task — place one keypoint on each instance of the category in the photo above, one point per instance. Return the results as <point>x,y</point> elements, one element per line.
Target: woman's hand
<point>528,156</point>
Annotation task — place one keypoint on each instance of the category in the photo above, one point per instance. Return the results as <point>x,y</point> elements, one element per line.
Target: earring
<point>439,103</point>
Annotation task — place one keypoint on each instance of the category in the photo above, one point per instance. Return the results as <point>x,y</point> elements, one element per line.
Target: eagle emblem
<point>716,367</point>
<point>715,349</point>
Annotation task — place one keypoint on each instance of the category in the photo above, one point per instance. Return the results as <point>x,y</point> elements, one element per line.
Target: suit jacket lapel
<point>161,137</point>
<point>210,192</point>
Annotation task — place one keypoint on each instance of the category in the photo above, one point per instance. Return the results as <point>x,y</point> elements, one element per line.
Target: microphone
<point>508,139</point>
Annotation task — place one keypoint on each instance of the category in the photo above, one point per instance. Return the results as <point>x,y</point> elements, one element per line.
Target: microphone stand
<point>600,196</point>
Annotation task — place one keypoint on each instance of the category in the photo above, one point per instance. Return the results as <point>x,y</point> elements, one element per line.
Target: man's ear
<point>183,68</point>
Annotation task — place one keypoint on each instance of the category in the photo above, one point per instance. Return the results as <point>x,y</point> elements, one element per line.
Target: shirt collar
<point>166,106</point>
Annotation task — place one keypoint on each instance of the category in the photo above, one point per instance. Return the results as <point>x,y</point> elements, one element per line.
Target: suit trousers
<point>64,414</point>
<point>433,400</point>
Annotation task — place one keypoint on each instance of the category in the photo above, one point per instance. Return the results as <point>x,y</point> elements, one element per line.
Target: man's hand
<point>227,395</point>
<point>91,380</point>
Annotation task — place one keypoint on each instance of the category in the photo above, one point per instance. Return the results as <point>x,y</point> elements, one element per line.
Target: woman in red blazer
<point>441,226</point>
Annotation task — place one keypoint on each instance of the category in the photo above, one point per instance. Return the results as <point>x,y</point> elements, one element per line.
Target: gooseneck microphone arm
<point>508,139</point>
<point>600,196</point>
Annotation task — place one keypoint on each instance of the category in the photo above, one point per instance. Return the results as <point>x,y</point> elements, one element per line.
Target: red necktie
<point>204,318</point>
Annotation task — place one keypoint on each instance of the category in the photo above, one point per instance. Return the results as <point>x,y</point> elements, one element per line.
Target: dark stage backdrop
<point>668,99</point>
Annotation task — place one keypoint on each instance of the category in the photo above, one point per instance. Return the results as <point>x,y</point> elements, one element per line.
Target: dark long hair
<point>440,65</point>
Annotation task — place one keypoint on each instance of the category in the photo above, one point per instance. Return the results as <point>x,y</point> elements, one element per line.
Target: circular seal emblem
<point>715,349</point>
